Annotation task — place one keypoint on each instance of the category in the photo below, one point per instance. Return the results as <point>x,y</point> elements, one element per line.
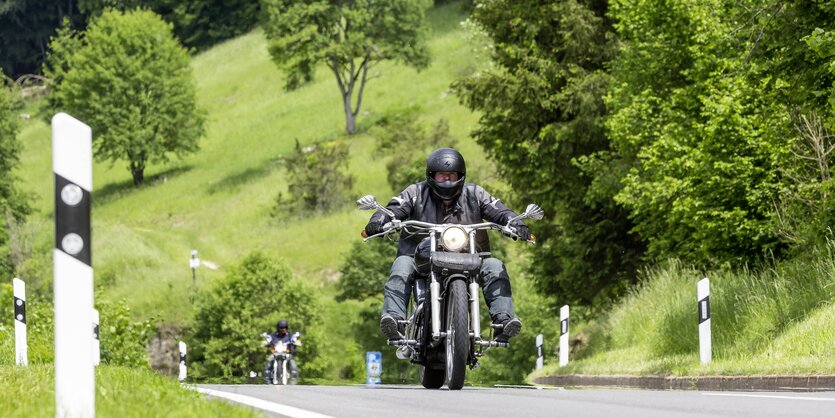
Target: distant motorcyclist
<point>444,198</point>
<point>282,334</point>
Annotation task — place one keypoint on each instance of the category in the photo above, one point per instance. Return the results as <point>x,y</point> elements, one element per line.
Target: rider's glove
<point>521,230</point>
<point>375,224</point>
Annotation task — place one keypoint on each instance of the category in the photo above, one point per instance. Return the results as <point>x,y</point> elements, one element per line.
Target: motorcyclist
<point>444,197</point>
<point>282,334</point>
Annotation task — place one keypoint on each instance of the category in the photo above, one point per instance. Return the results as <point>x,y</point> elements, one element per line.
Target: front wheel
<point>431,378</point>
<point>458,334</point>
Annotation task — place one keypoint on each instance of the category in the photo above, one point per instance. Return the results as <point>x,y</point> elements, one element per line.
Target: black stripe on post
<point>19,310</point>
<point>704,309</point>
<point>539,351</point>
<point>72,216</point>
<point>564,327</point>
<point>96,331</point>
<point>182,358</point>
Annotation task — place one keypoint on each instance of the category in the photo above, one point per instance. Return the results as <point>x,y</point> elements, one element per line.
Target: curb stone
<point>770,383</point>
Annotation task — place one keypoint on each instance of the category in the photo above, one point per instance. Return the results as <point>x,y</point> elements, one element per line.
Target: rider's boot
<point>390,327</point>
<point>510,327</point>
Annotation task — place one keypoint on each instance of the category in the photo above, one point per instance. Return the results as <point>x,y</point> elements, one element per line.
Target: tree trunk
<point>137,170</point>
<point>350,119</point>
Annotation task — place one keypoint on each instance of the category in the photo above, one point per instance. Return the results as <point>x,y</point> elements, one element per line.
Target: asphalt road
<point>414,401</point>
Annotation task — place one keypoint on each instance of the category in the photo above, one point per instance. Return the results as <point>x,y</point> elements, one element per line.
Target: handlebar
<point>397,225</point>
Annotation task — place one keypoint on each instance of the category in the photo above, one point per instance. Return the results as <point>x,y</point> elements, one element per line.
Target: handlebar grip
<point>364,234</point>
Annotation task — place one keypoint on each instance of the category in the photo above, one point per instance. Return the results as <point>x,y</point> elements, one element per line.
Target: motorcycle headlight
<point>454,238</point>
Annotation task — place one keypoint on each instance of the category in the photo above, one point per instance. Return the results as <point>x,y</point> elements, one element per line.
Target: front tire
<point>458,334</point>
<point>431,378</point>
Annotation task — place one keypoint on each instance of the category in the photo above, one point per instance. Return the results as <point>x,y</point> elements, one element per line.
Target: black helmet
<point>446,159</point>
<point>281,324</point>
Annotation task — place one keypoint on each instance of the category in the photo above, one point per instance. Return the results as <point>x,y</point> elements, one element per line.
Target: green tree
<point>349,37</point>
<point>131,82</point>
<point>542,114</point>
<point>230,317</point>
<point>13,203</point>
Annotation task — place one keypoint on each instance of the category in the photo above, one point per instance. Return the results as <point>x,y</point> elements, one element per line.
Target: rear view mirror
<point>367,202</point>
<point>533,211</point>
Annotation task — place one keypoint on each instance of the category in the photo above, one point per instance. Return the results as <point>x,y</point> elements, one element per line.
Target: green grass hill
<point>219,199</point>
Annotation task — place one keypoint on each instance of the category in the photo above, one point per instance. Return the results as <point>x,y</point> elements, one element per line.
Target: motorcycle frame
<point>437,301</point>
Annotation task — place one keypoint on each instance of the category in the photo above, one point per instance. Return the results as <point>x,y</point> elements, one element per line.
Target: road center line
<point>799,398</point>
<point>262,404</point>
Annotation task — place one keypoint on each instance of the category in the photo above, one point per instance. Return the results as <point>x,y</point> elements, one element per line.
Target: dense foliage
<point>197,23</point>
<point>25,29</point>
<point>654,129</point>
<point>350,38</point>
<point>542,118</point>
<point>230,317</point>
<point>131,81</point>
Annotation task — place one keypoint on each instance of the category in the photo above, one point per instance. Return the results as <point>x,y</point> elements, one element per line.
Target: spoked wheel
<point>431,378</point>
<point>458,334</point>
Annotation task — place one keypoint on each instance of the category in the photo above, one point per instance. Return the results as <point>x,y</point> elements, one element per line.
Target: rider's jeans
<point>494,281</point>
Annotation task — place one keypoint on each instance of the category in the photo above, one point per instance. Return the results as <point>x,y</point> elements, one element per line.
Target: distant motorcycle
<point>280,355</point>
<point>444,335</point>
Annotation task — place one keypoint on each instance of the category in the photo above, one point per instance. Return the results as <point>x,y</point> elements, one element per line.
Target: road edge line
<point>285,410</point>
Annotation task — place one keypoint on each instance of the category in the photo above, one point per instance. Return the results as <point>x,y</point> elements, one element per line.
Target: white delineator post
<point>183,370</point>
<point>194,263</point>
<point>539,359</point>
<point>21,352</point>
<point>72,163</point>
<point>96,344</point>
<point>703,291</point>
<point>564,336</point>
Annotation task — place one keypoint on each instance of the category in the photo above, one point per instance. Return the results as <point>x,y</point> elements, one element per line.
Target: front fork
<point>435,297</point>
<point>475,317</point>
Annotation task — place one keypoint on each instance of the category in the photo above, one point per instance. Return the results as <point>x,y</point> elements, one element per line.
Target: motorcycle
<point>280,356</point>
<point>444,335</point>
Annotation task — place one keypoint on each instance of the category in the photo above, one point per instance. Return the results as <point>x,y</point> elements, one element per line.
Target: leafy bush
<point>317,181</point>
<point>229,318</point>
<point>122,341</point>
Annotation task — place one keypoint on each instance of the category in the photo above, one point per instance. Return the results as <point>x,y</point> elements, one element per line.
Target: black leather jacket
<point>474,205</point>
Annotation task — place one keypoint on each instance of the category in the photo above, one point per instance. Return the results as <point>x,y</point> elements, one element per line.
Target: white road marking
<point>799,398</point>
<point>262,404</point>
